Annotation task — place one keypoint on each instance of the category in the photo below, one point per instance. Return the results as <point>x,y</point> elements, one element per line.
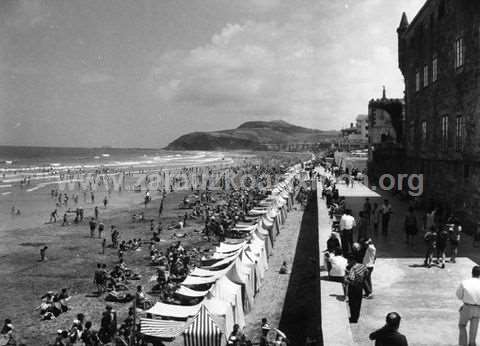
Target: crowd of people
<point>351,261</point>
<point>215,212</point>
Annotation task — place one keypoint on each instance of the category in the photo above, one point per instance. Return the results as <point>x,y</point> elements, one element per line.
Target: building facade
<point>385,136</point>
<point>439,57</point>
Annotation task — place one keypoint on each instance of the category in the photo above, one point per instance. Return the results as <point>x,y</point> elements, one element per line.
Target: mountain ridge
<point>252,135</point>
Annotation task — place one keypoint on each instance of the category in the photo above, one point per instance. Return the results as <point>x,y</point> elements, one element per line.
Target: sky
<point>140,73</point>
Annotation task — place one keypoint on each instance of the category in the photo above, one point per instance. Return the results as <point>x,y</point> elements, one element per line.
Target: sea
<point>44,167</point>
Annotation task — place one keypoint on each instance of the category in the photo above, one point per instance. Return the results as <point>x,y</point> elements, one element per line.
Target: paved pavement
<point>425,298</point>
<point>270,300</point>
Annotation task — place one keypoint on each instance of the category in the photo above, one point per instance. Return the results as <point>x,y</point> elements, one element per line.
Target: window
<point>424,132</point>
<point>445,132</point>
<point>466,171</point>
<point>417,81</point>
<point>459,52</point>
<point>434,68</point>
<point>441,9</point>
<point>459,133</point>
<point>425,76</point>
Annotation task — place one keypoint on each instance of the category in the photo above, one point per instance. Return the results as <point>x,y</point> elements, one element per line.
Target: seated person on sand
<point>176,225</point>
<point>63,297</point>
<point>283,268</point>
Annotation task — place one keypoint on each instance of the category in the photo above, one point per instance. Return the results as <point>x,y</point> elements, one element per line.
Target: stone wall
<point>451,176</point>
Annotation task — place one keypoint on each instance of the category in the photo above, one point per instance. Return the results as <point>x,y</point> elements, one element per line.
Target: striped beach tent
<point>203,331</point>
<point>163,329</point>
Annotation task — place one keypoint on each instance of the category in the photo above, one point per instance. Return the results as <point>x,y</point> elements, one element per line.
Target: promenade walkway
<point>290,301</point>
<point>425,298</point>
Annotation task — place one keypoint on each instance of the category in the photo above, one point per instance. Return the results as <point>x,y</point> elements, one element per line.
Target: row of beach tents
<point>226,284</point>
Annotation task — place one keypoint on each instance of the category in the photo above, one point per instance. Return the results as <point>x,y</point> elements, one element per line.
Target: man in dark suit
<point>388,335</point>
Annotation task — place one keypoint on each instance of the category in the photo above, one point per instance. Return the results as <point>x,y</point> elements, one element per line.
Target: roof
<point>171,310</point>
<point>418,15</point>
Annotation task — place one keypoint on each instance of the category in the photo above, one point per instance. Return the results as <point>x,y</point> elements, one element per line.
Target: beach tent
<point>198,280</point>
<point>162,329</point>
<point>230,292</point>
<point>266,234</point>
<point>229,248</point>
<point>171,310</point>
<point>266,240</point>
<point>203,331</point>
<point>222,313</point>
<point>188,292</point>
<point>242,276</point>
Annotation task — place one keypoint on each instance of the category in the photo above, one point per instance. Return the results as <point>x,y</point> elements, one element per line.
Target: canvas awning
<point>188,292</point>
<point>171,310</point>
<point>164,329</point>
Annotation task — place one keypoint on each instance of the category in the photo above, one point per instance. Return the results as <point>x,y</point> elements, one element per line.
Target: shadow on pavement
<point>301,315</point>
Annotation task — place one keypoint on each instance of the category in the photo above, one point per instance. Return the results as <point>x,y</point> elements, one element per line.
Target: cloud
<point>94,77</point>
<point>311,69</point>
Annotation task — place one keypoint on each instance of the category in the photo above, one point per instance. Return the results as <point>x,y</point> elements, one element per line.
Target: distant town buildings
<point>355,136</point>
<point>439,57</point>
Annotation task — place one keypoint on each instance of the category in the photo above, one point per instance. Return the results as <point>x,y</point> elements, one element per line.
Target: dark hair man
<point>388,335</point>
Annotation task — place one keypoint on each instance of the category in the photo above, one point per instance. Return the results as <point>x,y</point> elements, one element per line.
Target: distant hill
<point>252,135</point>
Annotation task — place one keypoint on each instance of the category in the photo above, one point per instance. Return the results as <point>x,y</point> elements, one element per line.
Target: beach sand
<point>72,258</point>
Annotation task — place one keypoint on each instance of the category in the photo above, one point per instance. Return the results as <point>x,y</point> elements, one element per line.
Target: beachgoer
<point>265,327</point>
<point>93,226</point>
<point>43,253</point>
<point>100,229</point>
<point>53,216</point>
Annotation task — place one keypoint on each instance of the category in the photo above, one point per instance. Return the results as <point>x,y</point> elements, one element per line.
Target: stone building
<point>385,136</point>
<point>439,57</point>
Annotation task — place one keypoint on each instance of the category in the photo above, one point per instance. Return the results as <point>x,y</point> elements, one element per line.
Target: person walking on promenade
<point>411,226</point>
<point>430,238</point>
<point>338,266</point>
<point>347,223</point>
<point>354,279</point>
<point>388,335</point>
<point>96,212</point>
<point>469,293</point>
<point>386,211</point>
<point>455,229</point>
<point>442,239</point>
<point>369,262</point>
<point>376,217</point>
<point>367,210</point>
<point>431,219</point>
<point>362,227</point>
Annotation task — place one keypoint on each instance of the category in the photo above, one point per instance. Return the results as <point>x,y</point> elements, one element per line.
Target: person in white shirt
<point>338,265</point>
<point>469,293</point>
<point>347,223</point>
<point>369,262</point>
